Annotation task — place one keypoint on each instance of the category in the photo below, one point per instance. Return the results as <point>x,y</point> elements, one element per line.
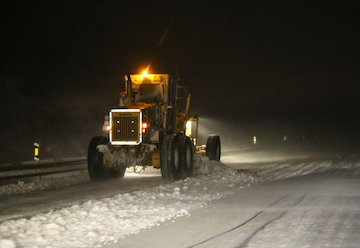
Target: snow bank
<point>6,243</point>
<point>95,223</point>
<point>44,183</point>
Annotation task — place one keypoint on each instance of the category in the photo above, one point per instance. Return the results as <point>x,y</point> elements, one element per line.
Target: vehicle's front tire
<point>170,159</point>
<point>96,167</point>
<point>213,147</point>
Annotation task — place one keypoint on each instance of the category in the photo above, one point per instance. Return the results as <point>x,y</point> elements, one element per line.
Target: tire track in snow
<point>242,224</point>
<point>245,243</point>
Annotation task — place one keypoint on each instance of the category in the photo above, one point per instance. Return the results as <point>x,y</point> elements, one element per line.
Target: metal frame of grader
<point>151,126</point>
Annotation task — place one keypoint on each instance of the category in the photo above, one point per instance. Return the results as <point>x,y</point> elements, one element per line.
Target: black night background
<point>265,68</point>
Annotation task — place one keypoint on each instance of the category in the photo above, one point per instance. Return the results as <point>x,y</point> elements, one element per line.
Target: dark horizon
<point>291,64</point>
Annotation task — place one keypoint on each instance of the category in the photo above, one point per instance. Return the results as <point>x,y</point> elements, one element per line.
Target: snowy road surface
<point>24,205</point>
<point>296,200</point>
<point>317,210</point>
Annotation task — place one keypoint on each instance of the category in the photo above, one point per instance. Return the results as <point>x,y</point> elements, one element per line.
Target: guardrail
<point>11,173</point>
<point>30,165</point>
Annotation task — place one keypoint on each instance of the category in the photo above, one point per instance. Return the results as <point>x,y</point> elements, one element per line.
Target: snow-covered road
<point>296,200</point>
<point>316,210</point>
<point>55,195</point>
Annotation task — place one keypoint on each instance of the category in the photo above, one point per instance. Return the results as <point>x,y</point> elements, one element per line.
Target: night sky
<point>62,64</point>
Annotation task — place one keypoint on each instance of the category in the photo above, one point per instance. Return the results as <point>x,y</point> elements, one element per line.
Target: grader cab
<point>151,126</point>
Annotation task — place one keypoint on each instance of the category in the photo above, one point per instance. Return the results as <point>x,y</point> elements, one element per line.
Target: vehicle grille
<point>125,127</point>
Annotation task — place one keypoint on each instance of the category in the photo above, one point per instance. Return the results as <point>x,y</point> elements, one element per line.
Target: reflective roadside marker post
<point>36,151</point>
<point>254,140</point>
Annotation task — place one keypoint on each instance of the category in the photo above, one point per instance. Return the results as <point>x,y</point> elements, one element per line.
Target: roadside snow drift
<point>95,223</point>
<point>44,183</point>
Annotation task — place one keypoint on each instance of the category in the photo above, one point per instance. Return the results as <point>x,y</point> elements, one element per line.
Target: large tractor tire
<point>96,167</point>
<point>170,159</point>
<point>213,147</point>
<point>186,155</point>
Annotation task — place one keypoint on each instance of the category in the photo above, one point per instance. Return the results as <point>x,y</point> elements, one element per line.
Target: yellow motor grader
<point>151,126</point>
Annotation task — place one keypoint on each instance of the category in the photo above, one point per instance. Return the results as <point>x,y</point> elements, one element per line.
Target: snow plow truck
<point>150,126</point>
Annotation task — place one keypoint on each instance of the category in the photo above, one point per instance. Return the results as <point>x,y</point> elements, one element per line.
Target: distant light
<point>36,151</point>
<point>107,128</point>
<point>284,138</point>
<point>254,140</point>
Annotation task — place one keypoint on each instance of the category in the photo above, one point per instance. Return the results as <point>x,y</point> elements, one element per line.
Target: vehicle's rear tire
<point>170,159</point>
<point>213,147</point>
<point>96,168</point>
<point>186,155</point>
